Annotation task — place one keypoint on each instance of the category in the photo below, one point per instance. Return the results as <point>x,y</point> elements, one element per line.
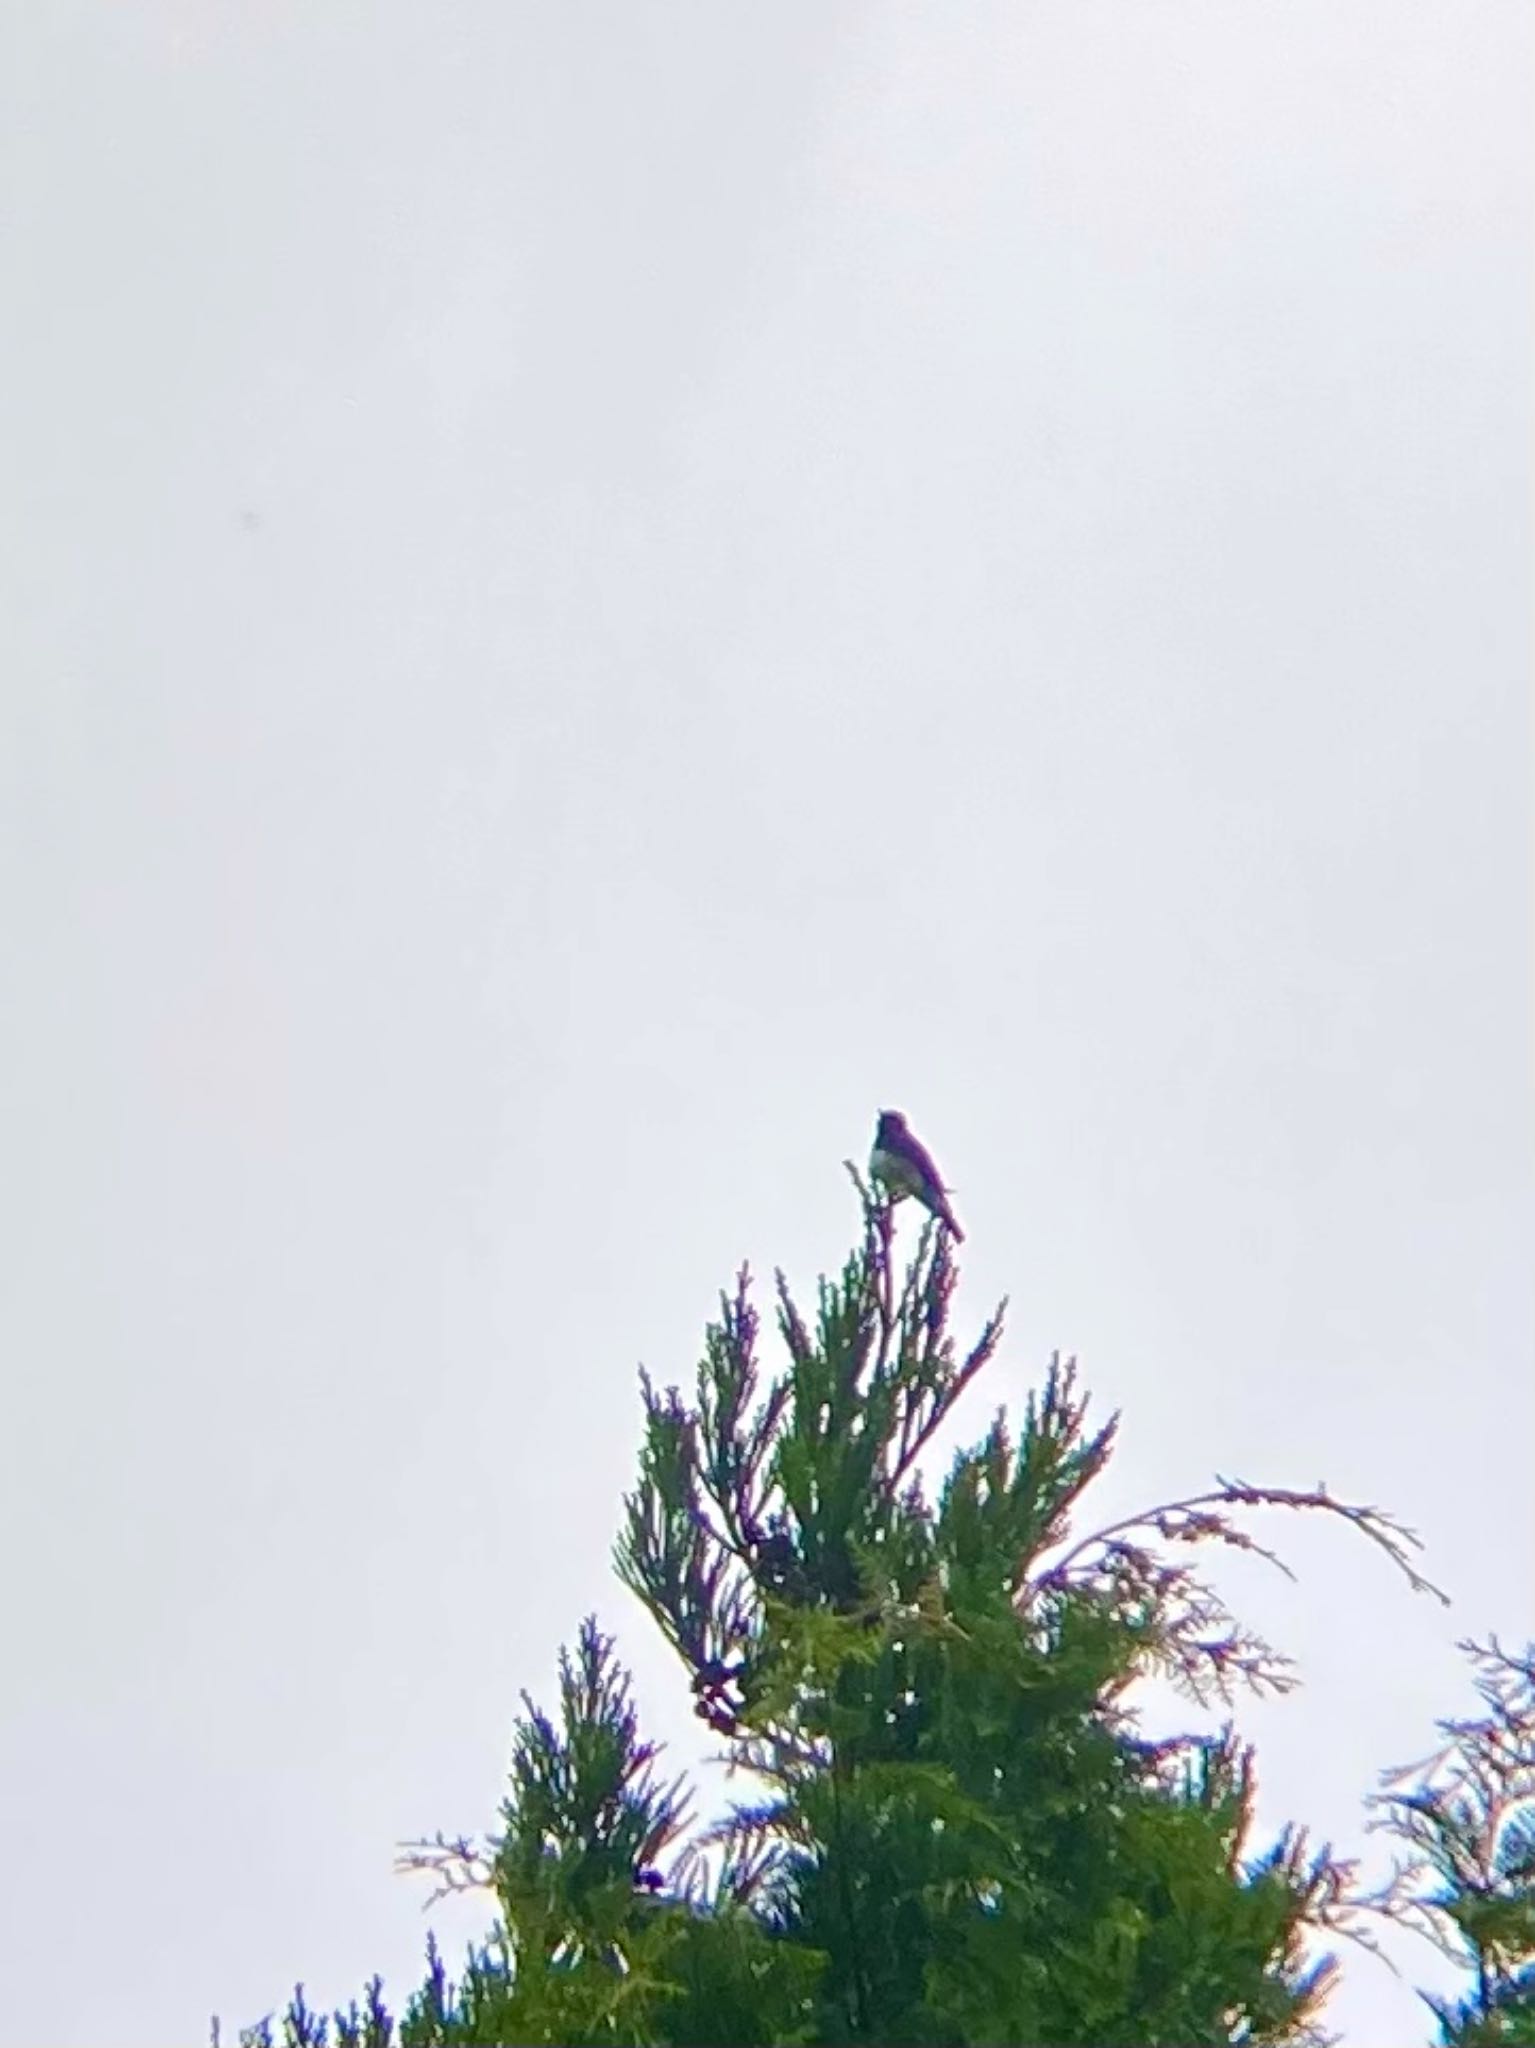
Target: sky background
<point>593,593</point>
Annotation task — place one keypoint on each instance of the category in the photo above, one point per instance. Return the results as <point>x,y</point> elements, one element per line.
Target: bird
<point>906,1168</point>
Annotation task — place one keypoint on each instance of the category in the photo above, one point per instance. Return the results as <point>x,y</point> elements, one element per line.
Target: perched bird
<point>906,1169</point>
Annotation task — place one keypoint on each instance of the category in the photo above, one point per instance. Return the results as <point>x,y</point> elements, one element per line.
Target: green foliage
<point>958,1832</point>
<point>585,1949</point>
<point>1466,1819</point>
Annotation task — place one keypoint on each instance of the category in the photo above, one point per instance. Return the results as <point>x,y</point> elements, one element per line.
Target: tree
<point>961,1834</point>
<point>1466,1818</point>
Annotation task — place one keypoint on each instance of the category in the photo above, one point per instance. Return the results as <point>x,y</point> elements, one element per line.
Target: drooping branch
<point>1190,1632</point>
<point>1198,1518</point>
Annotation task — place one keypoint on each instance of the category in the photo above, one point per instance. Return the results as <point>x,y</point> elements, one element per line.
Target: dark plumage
<point>905,1167</point>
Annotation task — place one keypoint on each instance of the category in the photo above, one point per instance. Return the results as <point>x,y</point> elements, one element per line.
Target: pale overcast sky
<point>592,593</point>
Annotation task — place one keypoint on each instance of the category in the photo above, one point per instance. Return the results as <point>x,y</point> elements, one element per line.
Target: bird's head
<point>890,1122</point>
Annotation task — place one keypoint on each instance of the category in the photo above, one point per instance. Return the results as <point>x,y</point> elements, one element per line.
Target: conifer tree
<point>956,1831</point>
<point>1465,1817</point>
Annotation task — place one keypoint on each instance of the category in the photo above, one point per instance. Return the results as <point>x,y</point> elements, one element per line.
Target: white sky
<point>592,594</point>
